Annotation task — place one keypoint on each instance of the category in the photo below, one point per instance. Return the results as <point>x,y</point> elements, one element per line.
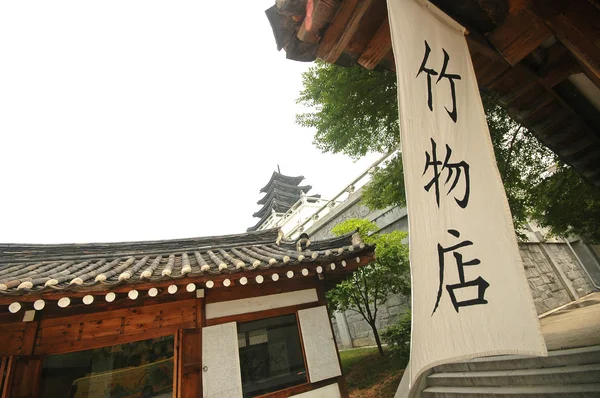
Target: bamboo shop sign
<point>470,295</point>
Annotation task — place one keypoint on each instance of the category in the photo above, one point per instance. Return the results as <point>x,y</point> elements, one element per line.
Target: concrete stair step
<point>579,374</point>
<point>574,356</point>
<point>562,391</point>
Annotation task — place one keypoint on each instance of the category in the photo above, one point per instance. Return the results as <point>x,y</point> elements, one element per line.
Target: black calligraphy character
<point>442,75</point>
<point>480,283</point>
<point>429,72</point>
<point>450,77</point>
<point>457,170</point>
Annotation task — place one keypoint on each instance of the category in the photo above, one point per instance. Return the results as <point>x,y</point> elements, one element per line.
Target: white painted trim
<point>255,304</point>
<point>330,391</point>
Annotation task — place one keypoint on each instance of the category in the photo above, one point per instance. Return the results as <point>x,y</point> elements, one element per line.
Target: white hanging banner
<point>470,296</point>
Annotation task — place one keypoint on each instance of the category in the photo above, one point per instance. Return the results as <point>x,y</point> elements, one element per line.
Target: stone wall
<point>555,276</point>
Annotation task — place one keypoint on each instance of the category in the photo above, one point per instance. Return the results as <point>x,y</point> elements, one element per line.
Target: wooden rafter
<point>342,28</point>
<point>379,46</point>
<point>576,26</point>
<point>519,35</point>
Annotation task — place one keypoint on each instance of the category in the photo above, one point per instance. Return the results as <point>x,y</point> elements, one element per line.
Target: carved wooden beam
<point>519,35</point>
<point>378,47</point>
<point>342,28</point>
<point>577,25</point>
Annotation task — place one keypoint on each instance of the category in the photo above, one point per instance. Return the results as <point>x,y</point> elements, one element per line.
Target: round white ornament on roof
<point>305,272</point>
<point>14,307</point>
<point>226,283</point>
<point>210,284</point>
<point>172,289</point>
<point>243,280</point>
<point>259,279</point>
<point>153,292</point>
<point>319,269</point>
<point>332,266</point>
<point>39,304</point>
<point>110,297</point>
<point>87,300</point>
<point>64,302</point>
<point>133,294</point>
<point>275,277</point>
<point>190,287</point>
<point>290,274</point>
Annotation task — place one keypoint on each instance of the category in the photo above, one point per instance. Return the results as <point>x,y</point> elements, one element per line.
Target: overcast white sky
<point>134,120</point>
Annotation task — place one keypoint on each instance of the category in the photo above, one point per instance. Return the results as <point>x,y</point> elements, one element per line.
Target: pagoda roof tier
<point>43,270</point>
<point>279,206</point>
<point>294,181</point>
<point>259,223</point>
<point>279,188</point>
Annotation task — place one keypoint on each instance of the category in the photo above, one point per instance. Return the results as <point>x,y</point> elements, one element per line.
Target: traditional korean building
<point>227,316</point>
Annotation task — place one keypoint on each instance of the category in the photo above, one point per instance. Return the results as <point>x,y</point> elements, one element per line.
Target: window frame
<point>298,388</point>
<point>124,341</point>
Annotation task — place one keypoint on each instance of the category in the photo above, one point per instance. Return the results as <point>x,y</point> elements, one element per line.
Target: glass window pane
<point>271,355</point>
<point>141,369</point>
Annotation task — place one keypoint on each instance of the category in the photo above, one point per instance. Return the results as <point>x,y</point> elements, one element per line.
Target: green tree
<point>567,205</point>
<point>354,111</point>
<point>370,286</point>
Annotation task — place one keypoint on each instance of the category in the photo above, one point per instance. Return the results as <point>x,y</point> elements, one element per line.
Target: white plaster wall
<point>255,304</point>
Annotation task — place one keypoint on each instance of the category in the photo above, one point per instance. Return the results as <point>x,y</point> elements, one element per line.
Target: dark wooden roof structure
<point>281,193</point>
<point>33,270</point>
<point>538,59</point>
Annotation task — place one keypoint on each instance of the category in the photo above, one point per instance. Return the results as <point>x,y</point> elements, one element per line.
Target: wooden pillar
<point>188,359</point>
<point>6,371</point>
<point>24,380</point>
<point>21,374</point>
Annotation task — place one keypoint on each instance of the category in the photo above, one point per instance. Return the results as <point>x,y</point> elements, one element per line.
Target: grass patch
<point>369,375</point>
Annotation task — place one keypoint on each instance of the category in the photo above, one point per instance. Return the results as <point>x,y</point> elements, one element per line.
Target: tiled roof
<point>26,268</point>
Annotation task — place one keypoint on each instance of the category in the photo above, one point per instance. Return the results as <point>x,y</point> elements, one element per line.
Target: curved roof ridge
<point>16,252</point>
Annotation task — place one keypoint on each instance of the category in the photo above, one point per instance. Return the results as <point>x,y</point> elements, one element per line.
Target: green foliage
<point>364,227</point>
<point>347,109</point>
<point>522,160</point>
<point>397,337</point>
<point>370,286</point>
<point>565,189</point>
<point>354,111</point>
<point>387,185</point>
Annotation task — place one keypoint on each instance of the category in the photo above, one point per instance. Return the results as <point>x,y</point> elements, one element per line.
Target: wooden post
<point>188,361</point>
<point>8,364</point>
<point>23,382</point>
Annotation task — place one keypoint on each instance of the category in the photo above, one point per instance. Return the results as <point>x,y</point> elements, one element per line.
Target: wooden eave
<point>524,52</point>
